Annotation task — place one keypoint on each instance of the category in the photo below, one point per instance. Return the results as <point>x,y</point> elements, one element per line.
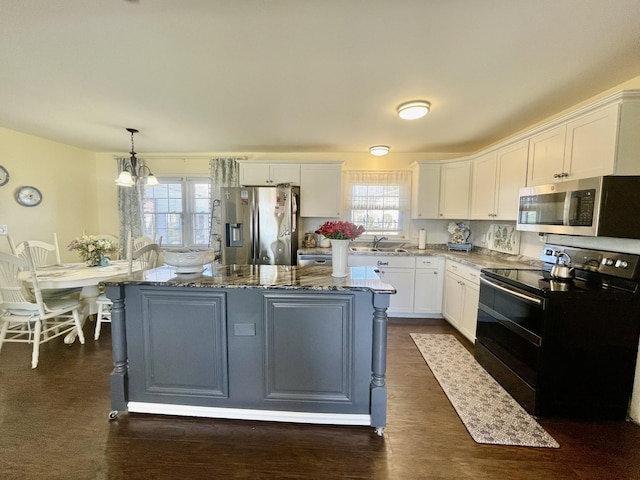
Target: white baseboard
<point>249,414</point>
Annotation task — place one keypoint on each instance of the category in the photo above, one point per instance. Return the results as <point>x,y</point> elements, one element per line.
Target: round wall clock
<point>29,196</point>
<point>4,176</point>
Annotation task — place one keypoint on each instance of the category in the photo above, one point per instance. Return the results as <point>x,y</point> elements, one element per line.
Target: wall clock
<point>29,196</point>
<point>4,176</point>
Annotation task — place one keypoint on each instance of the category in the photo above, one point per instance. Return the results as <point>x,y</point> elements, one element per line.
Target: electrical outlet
<point>4,230</point>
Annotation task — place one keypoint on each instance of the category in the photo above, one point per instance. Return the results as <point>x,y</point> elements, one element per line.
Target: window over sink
<point>379,200</point>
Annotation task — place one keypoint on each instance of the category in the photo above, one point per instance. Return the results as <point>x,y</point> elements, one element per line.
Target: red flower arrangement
<point>340,230</point>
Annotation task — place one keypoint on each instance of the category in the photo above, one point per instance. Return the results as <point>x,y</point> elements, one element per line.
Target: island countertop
<point>260,276</point>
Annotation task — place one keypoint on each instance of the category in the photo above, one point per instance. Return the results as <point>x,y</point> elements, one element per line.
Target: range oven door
<point>509,337</point>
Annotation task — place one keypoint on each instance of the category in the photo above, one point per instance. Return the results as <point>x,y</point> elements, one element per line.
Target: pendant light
<point>138,171</point>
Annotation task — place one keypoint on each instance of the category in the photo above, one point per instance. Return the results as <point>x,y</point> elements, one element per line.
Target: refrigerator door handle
<point>254,226</point>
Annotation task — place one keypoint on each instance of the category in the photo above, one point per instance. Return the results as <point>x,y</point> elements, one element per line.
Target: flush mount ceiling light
<point>379,150</point>
<point>138,171</point>
<point>413,109</point>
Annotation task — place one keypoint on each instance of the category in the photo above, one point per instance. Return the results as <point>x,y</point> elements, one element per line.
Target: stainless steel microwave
<point>606,206</point>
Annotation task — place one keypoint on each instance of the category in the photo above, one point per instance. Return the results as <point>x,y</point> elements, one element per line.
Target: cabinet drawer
<point>389,261</point>
<point>429,262</point>
<point>465,271</point>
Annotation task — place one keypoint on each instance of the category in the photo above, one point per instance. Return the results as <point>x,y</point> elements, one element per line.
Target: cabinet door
<point>469,318</point>
<point>320,190</point>
<point>284,173</point>
<point>202,335</point>
<point>484,187</point>
<point>428,291</point>
<point>591,144</point>
<point>546,156</point>
<point>403,281</point>
<point>454,190</point>
<point>425,191</point>
<point>254,174</point>
<point>511,177</point>
<point>452,302</point>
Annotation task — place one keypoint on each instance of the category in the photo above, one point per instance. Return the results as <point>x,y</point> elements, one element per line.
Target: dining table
<point>79,275</point>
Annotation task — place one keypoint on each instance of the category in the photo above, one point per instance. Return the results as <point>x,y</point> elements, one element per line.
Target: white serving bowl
<point>189,260</point>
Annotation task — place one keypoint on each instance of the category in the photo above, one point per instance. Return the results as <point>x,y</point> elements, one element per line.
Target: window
<point>178,210</point>
<point>379,201</point>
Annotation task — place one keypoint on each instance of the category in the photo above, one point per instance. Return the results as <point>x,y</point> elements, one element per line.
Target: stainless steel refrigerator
<point>260,225</point>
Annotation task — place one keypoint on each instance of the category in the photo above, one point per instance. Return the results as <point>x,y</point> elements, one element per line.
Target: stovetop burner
<point>595,271</point>
<point>540,281</point>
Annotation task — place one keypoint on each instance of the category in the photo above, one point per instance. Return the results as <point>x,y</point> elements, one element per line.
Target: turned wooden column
<point>119,348</point>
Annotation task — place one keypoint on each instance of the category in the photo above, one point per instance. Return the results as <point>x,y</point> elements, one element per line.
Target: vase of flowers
<point>92,250</point>
<point>340,234</point>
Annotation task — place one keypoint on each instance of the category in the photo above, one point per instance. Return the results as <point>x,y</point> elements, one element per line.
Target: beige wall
<point>65,175</point>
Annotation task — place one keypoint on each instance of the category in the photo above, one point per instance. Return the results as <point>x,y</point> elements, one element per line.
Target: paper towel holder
<point>422,239</point>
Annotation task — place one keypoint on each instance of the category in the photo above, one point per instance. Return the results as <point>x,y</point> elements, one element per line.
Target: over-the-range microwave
<point>606,206</point>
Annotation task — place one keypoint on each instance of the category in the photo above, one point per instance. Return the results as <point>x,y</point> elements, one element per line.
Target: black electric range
<point>563,347</point>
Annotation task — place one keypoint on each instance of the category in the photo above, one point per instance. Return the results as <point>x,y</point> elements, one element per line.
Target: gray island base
<point>275,343</point>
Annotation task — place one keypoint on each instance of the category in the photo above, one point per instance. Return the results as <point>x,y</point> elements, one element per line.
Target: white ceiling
<point>304,75</point>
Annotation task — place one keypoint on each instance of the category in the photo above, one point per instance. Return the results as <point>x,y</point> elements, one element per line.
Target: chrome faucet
<point>376,241</point>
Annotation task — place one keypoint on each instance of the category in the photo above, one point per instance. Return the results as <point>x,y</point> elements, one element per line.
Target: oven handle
<point>524,296</point>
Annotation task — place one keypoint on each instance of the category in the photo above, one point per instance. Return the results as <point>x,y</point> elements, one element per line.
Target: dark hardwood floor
<point>53,425</point>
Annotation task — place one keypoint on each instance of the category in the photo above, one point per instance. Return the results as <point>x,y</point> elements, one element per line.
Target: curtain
<point>378,199</point>
<point>224,173</point>
<point>129,207</point>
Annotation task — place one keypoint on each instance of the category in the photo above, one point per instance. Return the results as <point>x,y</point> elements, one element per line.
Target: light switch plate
<point>4,230</point>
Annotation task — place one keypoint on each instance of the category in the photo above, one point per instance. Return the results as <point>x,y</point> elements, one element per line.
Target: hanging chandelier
<point>141,172</point>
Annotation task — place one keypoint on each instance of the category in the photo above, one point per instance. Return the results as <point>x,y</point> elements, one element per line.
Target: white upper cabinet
<point>320,190</point>
<point>497,179</point>
<point>425,190</point>
<point>602,141</point>
<point>455,183</point>
<point>262,173</point>
<point>483,191</point>
<point>590,148</point>
<point>546,156</point>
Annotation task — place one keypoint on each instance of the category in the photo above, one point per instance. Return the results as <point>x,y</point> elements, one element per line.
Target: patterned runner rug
<point>488,412</point>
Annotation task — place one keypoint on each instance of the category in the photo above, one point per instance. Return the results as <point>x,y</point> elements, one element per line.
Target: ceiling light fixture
<point>379,150</point>
<point>138,172</point>
<point>413,109</point>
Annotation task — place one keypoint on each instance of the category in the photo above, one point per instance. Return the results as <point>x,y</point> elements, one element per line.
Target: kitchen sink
<point>379,249</point>
<point>364,249</point>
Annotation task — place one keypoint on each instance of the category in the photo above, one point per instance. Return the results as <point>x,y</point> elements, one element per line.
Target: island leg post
<point>118,379</point>
<point>379,363</point>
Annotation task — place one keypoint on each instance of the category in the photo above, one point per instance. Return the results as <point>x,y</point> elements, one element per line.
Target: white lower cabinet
<point>461,296</point>
<point>397,271</point>
<point>429,283</point>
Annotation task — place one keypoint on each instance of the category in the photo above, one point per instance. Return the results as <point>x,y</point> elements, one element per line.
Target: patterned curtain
<point>224,173</point>
<point>129,207</point>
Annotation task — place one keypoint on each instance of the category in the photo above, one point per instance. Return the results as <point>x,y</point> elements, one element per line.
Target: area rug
<point>488,412</point>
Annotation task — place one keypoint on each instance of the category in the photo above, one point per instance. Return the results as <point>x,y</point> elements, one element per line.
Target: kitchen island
<point>277,343</point>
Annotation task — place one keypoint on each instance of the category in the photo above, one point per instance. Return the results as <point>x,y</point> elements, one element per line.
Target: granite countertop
<point>260,276</point>
<point>478,258</point>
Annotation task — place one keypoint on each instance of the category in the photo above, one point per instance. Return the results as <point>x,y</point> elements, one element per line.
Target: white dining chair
<point>138,242</point>
<point>39,250</point>
<point>147,256</point>
<point>27,319</point>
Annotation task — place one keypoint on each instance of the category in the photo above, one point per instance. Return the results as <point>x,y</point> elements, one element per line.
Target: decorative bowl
<point>189,260</point>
